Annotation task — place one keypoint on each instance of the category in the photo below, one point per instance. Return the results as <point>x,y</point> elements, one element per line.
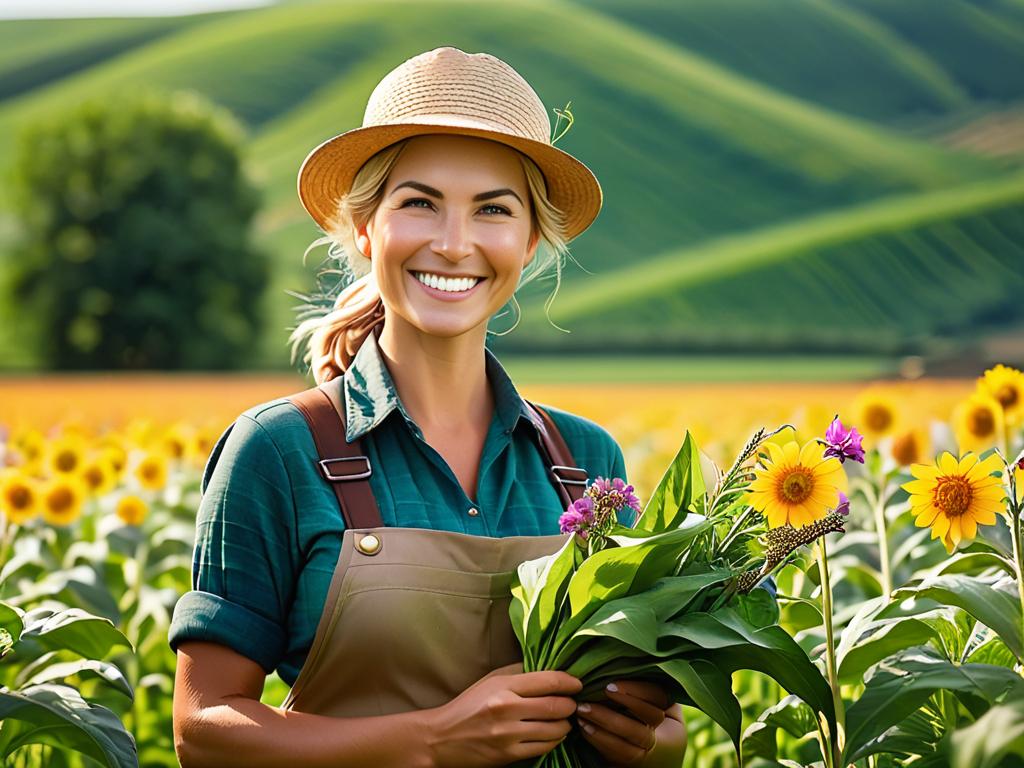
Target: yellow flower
<point>62,500</point>
<point>99,475</point>
<point>132,510</point>
<point>910,447</point>
<point>954,497</point>
<point>201,445</point>
<point>19,497</point>
<point>112,446</point>
<point>978,422</point>
<point>30,445</point>
<point>152,472</point>
<point>175,440</point>
<point>1006,386</point>
<point>66,455</point>
<point>875,414</point>
<point>797,486</point>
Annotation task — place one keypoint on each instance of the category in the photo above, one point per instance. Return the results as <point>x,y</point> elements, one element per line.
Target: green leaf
<point>884,638</point>
<point>904,682</point>
<point>538,588</point>
<point>994,740</point>
<point>73,629</point>
<point>758,607</point>
<point>677,492</point>
<point>995,607</point>
<point>106,672</point>
<point>10,619</point>
<point>59,716</point>
<point>791,714</point>
<point>711,691</point>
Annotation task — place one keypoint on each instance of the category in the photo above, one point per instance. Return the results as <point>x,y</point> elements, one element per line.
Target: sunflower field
<point>913,614</point>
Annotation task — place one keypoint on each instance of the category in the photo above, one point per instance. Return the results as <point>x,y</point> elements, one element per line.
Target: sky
<point>47,9</point>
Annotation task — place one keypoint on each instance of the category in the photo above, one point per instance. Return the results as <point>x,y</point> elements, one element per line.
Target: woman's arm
<point>220,722</point>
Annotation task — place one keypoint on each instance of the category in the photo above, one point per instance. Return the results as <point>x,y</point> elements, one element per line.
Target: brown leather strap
<point>343,465</point>
<point>569,480</point>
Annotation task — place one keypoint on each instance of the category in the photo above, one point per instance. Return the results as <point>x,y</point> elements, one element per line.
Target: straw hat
<point>447,90</point>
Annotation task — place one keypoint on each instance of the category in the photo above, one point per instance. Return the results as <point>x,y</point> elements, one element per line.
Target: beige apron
<point>413,617</point>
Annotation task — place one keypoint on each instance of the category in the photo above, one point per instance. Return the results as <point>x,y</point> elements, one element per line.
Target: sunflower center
<point>61,499</point>
<point>66,461</point>
<point>796,486</point>
<point>94,476</point>
<point>981,422</point>
<point>150,471</point>
<point>877,418</point>
<point>1007,396</point>
<point>19,497</point>
<point>953,496</point>
<point>905,449</point>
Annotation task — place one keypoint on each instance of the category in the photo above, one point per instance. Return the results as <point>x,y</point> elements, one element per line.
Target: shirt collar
<point>370,393</point>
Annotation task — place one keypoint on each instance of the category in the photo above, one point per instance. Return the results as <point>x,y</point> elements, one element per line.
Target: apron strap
<point>569,480</point>
<point>343,465</point>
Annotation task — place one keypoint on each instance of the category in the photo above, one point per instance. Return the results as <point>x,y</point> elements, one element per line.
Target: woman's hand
<point>625,735</point>
<point>504,717</point>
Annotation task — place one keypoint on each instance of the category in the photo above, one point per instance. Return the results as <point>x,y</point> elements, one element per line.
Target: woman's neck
<point>442,382</point>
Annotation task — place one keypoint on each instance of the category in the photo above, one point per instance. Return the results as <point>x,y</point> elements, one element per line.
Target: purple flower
<point>843,507</point>
<point>843,443</point>
<point>578,517</point>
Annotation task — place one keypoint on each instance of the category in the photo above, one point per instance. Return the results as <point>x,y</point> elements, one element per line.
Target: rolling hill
<point>699,135</point>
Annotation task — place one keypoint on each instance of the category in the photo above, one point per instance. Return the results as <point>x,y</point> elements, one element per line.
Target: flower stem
<point>1017,536</point>
<point>883,539</point>
<point>830,653</point>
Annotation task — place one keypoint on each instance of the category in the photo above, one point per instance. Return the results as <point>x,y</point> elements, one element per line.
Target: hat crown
<point>451,87</point>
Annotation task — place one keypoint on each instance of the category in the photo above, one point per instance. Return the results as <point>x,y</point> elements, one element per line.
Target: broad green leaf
<point>711,690</point>
<point>791,714</point>
<point>676,493</point>
<point>884,638</point>
<point>73,629</point>
<point>537,588</point>
<point>758,607</point>
<point>993,651</point>
<point>10,619</point>
<point>59,716</point>
<point>108,673</point>
<point>994,740</point>
<point>995,607</point>
<point>623,570</point>
<point>904,682</point>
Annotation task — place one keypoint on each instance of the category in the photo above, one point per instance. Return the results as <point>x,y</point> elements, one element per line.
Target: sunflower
<point>112,446</point>
<point>152,472</point>
<point>978,422</point>
<point>910,446</point>
<point>132,509</point>
<point>175,440</point>
<point>62,500</point>
<point>30,445</point>
<point>99,475</point>
<point>66,455</point>
<point>954,497</point>
<point>19,497</point>
<point>875,414</point>
<point>1006,386</point>
<point>797,485</point>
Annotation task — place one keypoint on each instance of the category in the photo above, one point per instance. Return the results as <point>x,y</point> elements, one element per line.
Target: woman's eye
<point>499,208</point>
<point>416,200</point>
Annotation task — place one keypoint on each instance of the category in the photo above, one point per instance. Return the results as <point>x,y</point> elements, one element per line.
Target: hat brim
<point>327,172</point>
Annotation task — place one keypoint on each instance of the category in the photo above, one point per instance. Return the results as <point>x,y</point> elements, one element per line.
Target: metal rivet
<point>368,545</point>
<point>473,512</point>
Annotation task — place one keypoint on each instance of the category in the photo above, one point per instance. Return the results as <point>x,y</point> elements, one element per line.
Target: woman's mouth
<point>446,289</point>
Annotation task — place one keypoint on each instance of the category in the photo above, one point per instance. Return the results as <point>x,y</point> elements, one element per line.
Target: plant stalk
<point>839,737</point>
<point>1017,536</point>
<point>883,539</point>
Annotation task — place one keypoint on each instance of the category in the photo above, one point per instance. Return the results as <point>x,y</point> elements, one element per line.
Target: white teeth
<point>453,285</point>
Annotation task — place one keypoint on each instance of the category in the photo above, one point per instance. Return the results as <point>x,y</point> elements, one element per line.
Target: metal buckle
<point>325,470</point>
<point>566,480</point>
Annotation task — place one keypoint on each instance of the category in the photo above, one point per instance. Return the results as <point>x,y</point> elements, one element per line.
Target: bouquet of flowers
<point>673,598</point>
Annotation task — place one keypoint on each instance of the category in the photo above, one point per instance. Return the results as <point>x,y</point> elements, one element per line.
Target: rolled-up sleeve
<point>243,569</point>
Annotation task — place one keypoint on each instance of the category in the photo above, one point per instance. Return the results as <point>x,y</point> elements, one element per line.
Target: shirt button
<point>473,512</point>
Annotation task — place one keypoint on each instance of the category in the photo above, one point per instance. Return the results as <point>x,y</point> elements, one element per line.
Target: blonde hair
<point>335,336</point>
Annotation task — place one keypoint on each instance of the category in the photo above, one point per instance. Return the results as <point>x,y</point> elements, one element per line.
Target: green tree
<point>135,248</point>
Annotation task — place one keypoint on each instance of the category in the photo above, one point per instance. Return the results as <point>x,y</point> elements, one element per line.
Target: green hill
<point>690,145</point>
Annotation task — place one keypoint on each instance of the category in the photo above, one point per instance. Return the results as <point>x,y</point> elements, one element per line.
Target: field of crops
<point>100,488</point>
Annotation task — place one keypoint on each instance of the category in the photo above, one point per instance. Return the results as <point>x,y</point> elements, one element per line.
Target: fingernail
<point>612,687</point>
<point>583,708</point>
<point>588,727</point>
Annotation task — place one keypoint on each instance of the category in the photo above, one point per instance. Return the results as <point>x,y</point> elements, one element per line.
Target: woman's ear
<point>531,247</point>
<point>363,240</point>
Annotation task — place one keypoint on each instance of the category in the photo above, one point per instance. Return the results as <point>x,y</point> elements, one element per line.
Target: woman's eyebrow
<point>437,193</point>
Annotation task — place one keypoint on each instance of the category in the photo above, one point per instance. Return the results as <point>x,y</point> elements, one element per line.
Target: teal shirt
<point>268,528</point>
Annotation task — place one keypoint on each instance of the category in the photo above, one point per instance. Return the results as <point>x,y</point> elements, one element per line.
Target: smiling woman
<point>360,537</point>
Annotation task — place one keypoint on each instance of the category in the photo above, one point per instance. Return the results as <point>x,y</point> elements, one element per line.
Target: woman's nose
<point>454,240</point>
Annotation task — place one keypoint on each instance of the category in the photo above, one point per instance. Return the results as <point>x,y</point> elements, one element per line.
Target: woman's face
<point>453,207</point>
